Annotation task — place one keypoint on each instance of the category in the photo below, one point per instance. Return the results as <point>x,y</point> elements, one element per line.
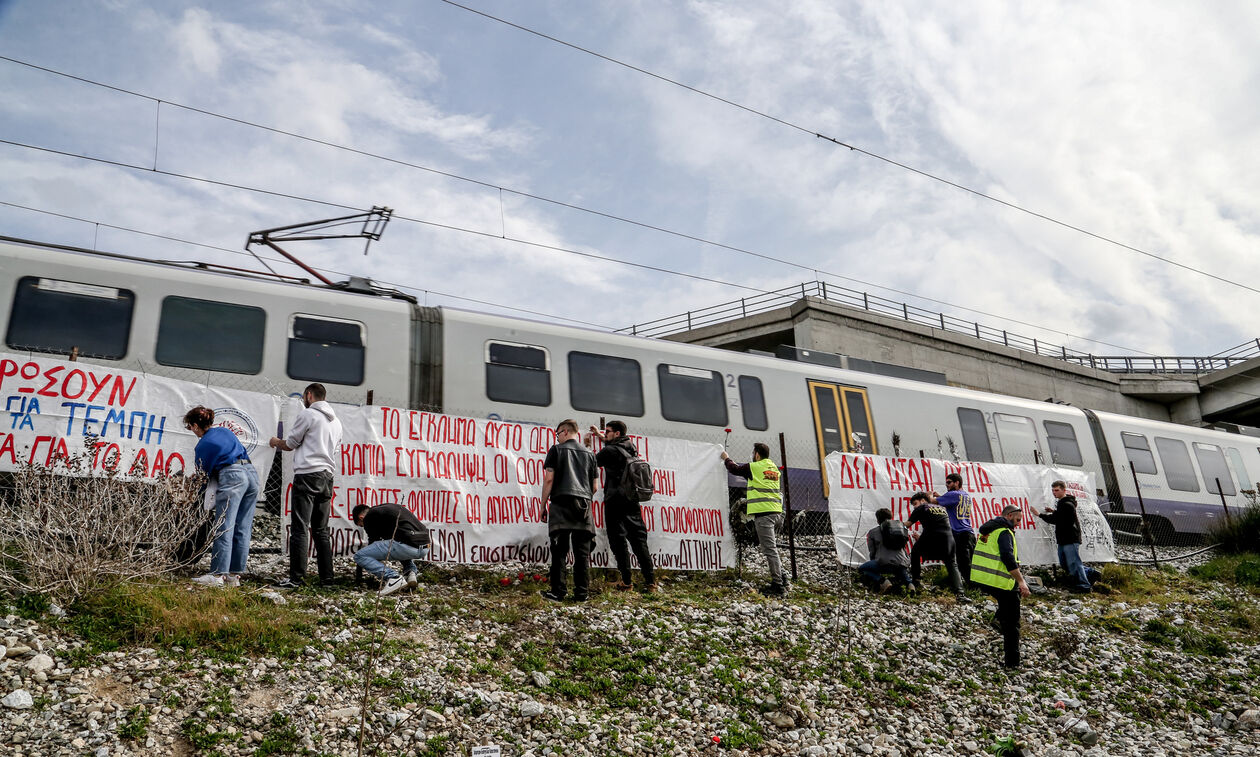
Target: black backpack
<point>636,479</point>
<point>894,535</point>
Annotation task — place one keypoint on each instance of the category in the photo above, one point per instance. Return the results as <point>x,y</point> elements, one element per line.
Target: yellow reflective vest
<point>763,488</point>
<point>986,563</point>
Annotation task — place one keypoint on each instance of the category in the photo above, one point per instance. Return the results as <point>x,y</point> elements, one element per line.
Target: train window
<point>1018,438</point>
<point>1063,447</point>
<point>1240,469</point>
<point>753,400</point>
<point>518,373</point>
<point>1177,468</point>
<point>326,349</point>
<point>1140,456</point>
<point>975,435</point>
<point>691,395</point>
<point>1212,464</point>
<point>210,336</point>
<point>605,384</point>
<point>55,316</point>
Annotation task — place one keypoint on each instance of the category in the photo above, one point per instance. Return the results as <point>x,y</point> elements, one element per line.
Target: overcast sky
<point>1138,122</point>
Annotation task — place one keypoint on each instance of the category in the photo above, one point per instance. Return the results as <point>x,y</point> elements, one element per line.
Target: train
<point>368,344</point>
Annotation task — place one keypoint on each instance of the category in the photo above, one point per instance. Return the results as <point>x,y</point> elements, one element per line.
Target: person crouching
<point>394,533</point>
<point>886,544</point>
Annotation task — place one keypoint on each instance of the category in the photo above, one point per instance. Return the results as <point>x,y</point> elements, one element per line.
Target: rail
<point>778,298</point>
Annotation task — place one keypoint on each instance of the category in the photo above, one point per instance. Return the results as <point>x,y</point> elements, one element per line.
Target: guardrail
<point>779,298</point>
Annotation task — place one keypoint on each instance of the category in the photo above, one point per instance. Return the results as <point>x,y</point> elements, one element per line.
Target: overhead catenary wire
<point>560,203</point>
<point>395,284</point>
<point>491,235</point>
<point>852,147</point>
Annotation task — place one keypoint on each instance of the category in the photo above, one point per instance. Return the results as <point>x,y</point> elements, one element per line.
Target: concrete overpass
<point>839,326</point>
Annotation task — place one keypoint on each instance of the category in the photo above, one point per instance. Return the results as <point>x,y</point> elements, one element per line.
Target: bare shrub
<point>79,524</point>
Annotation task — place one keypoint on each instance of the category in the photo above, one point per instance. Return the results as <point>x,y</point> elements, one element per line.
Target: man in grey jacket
<point>886,546</point>
<point>315,439</point>
<point>569,475</point>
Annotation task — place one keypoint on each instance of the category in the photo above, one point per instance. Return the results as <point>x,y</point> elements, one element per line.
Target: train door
<point>842,421</point>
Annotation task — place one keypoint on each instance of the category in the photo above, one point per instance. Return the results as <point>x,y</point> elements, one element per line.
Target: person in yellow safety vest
<point>995,569</point>
<point>766,507</point>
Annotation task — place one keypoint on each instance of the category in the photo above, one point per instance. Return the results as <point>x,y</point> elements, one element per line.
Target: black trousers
<point>562,540</point>
<point>964,548</point>
<point>311,499</point>
<point>624,521</point>
<point>936,546</point>
<point>1008,622</point>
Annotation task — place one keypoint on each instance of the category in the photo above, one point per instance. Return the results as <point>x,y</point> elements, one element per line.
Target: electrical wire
<point>397,285</point>
<point>563,204</point>
<point>854,148</point>
<point>491,235</point>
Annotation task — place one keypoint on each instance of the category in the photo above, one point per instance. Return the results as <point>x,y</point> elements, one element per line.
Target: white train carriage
<point>247,330</point>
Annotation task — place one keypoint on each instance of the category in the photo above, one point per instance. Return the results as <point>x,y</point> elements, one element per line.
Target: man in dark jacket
<point>394,533</point>
<point>1067,532</point>
<point>886,559</point>
<point>935,542</point>
<point>569,475</point>
<point>995,568</point>
<point>623,519</point>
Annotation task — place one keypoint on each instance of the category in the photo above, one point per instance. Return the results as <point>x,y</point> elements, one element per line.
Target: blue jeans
<point>371,558</point>
<point>874,573</point>
<point>1070,559</point>
<point>233,517</point>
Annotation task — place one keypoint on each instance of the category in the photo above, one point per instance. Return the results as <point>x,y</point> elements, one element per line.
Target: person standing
<point>569,475</point>
<point>766,506</point>
<point>957,504</point>
<point>623,518</point>
<point>886,546</point>
<point>220,455</point>
<point>1067,532</point>
<point>314,438</point>
<point>935,542</point>
<point>394,533</point>
<point>996,570</point>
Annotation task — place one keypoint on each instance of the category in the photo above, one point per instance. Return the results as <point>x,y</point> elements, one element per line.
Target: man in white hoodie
<point>315,437</point>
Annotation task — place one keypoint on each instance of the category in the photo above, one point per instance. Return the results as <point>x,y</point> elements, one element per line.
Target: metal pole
<point>1146,527</point>
<point>1223,504</point>
<point>787,503</point>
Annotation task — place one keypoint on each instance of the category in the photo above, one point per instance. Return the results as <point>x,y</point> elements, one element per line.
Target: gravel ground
<point>706,667</point>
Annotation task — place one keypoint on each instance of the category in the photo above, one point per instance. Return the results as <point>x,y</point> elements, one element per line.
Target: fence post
<point>1036,350</point>
<point>1146,527</point>
<point>1223,503</point>
<point>824,289</point>
<point>689,320</point>
<point>743,308</point>
<point>866,301</point>
<point>1004,341</point>
<point>787,503</point>
<point>905,311</point>
<point>942,321</point>
<point>370,393</point>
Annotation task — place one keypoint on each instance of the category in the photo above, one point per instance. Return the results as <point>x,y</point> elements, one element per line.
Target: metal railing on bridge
<point>779,298</point>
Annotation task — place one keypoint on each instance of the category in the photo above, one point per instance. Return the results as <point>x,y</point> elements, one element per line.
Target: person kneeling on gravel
<point>886,543</point>
<point>394,533</point>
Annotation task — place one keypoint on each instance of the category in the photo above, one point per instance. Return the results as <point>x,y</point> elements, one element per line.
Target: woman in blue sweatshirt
<point>221,457</point>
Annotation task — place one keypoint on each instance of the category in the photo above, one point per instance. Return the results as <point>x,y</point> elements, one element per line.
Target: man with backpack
<point>623,491</point>
<point>886,544</point>
<point>766,507</point>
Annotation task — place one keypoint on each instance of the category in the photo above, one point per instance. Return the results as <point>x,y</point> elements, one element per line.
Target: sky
<point>505,154</point>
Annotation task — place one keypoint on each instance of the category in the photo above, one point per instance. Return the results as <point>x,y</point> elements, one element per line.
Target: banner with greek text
<point>476,483</point>
<point>861,484</point>
<point>135,420</point>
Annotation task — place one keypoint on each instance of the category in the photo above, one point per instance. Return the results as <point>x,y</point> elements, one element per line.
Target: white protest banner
<point>476,484</point>
<point>136,420</point>
<point>861,484</point>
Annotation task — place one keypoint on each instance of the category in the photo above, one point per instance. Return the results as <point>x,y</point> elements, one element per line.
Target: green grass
<point>1240,533</point>
<point>135,725</point>
<point>225,624</point>
<point>1239,569</point>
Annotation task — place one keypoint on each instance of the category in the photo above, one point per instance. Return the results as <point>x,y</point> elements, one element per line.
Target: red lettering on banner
<point>909,474</point>
<point>50,376</point>
<point>114,395</point>
<point>97,385</point>
<point>692,520</point>
<point>362,459</point>
<point>7,446</point>
<point>513,509</point>
<point>975,477</point>
<point>665,482</point>
<point>434,506</point>
<point>540,439</point>
<point>857,472</point>
<point>529,471</point>
<point>503,436</point>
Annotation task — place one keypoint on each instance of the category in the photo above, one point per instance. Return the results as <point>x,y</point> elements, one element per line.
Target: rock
<point>971,746</point>
<point>1089,738</point>
<point>345,713</point>
<point>541,679</point>
<point>17,650</point>
<point>275,597</point>
<point>1249,719</point>
<point>866,748</point>
<point>531,709</point>
<point>39,663</point>
<point>433,716</point>
<point>342,637</point>
<point>19,699</point>
<point>100,751</point>
<point>783,720</point>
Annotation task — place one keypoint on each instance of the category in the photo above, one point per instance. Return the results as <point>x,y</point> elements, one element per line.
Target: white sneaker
<point>412,580</point>
<point>210,579</point>
<point>392,585</point>
<point>232,580</point>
